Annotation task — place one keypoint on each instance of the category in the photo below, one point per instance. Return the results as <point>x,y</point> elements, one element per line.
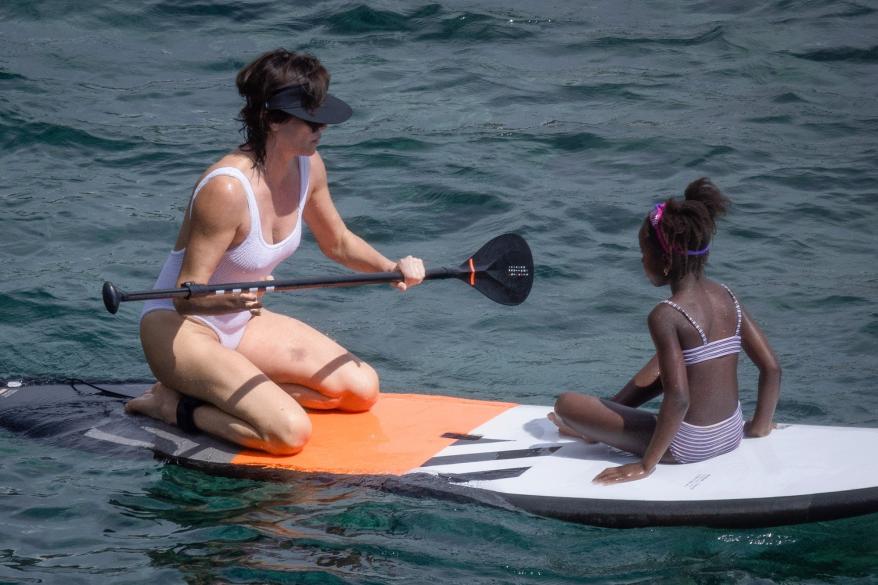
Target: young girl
<point>698,334</point>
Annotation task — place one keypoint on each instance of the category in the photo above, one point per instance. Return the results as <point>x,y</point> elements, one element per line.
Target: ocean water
<point>560,120</point>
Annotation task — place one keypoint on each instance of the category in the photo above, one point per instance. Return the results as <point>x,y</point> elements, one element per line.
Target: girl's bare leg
<point>622,427</point>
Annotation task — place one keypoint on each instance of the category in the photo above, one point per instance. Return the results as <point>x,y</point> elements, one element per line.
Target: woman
<point>224,364</point>
<point>698,334</point>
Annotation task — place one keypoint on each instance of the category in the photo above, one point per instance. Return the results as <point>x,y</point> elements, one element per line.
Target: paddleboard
<point>492,452</point>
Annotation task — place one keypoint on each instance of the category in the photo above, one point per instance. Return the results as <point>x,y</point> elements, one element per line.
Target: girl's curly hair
<point>686,225</point>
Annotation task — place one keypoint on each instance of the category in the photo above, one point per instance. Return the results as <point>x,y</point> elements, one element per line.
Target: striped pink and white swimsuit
<point>696,443</point>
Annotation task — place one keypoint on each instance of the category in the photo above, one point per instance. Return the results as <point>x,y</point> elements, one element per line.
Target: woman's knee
<point>287,435</point>
<point>361,389</point>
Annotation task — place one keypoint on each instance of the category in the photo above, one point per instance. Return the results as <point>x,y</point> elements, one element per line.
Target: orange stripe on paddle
<point>472,273</point>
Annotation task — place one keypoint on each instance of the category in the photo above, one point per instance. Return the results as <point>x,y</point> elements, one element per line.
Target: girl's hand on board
<point>623,473</point>
<point>751,430</point>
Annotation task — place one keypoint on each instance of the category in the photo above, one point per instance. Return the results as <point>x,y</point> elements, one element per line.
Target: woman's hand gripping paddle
<point>502,270</point>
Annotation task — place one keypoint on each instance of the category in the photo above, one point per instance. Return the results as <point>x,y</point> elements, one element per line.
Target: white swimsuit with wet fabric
<point>251,260</point>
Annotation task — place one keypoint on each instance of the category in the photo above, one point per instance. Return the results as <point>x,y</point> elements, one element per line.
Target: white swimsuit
<point>251,260</point>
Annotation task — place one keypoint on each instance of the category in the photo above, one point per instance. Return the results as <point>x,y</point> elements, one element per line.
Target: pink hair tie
<point>655,219</point>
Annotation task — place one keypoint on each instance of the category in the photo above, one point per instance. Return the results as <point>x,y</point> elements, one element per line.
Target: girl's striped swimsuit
<point>696,443</point>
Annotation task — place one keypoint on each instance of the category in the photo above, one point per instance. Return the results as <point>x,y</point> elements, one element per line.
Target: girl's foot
<point>566,430</point>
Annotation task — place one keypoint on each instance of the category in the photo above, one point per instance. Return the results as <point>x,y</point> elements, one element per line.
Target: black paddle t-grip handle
<point>112,297</point>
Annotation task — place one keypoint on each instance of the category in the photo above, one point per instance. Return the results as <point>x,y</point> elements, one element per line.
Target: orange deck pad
<point>401,432</point>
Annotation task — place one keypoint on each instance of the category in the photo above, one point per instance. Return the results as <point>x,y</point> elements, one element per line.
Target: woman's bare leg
<point>245,406</point>
<point>315,370</point>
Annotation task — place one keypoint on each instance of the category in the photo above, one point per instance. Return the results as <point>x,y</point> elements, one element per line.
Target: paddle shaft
<point>196,290</point>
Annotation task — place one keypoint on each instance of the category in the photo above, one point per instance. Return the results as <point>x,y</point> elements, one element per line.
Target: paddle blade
<point>503,270</point>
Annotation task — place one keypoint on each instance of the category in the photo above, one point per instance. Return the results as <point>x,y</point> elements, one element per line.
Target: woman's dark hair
<point>261,79</point>
<point>686,226</point>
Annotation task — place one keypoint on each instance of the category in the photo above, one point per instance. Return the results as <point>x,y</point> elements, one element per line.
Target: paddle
<point>502,270</point>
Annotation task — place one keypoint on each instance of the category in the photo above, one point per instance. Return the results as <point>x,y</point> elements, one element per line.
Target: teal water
<point>560,120</point>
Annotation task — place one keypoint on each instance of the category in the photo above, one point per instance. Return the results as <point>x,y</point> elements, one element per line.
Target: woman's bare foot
<point>566,430</point>
<point>159,402</point>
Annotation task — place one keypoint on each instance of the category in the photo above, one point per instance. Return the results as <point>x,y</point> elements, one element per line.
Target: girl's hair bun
<point>705,192</point>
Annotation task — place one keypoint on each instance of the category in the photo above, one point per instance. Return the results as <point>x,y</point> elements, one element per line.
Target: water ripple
<point>843,54</point>
<point>20,134</point>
